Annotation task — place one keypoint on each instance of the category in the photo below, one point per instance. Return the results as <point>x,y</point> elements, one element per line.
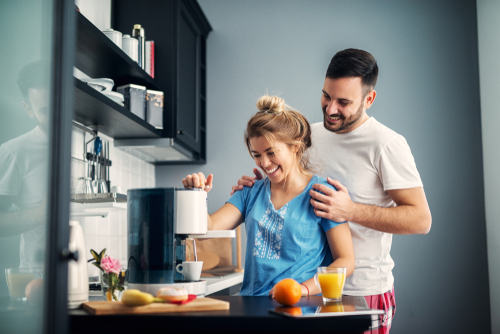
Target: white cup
<point>116,189</point>
<point>130,46</point>
<point>190,269</point>
<point>114,35</point>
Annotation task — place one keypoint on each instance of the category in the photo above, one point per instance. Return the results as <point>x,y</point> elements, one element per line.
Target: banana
<point>133,297</point>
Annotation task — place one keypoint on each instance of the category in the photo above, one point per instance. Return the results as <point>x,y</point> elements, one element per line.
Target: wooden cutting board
<point>199,304</point>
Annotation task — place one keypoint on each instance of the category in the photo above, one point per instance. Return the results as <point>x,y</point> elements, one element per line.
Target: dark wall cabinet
<point>179,30</point>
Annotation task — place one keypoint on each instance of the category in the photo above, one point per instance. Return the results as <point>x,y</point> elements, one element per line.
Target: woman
<point>285,238</point>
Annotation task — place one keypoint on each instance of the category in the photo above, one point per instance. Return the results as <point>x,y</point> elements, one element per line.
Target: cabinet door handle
<point>181,132</point>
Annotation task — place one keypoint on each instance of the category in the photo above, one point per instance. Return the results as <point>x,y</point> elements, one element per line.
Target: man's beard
<point>344,123</point>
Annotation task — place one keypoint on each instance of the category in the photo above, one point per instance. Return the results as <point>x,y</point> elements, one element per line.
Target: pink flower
<point>110,265</point>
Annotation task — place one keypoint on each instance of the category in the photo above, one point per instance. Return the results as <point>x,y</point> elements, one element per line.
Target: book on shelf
<point>150,58</point>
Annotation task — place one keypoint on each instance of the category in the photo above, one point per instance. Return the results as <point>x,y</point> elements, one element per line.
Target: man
<point>379,189</point>
<point>24,171</point>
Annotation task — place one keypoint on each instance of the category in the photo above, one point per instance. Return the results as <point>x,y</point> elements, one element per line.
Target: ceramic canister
<point>130,47</point>
<point>115,36</point>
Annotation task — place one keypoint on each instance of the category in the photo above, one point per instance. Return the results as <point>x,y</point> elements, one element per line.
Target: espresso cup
<point>191,270</point>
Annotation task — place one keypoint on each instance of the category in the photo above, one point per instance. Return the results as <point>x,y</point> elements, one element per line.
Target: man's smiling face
<point>343,103</point>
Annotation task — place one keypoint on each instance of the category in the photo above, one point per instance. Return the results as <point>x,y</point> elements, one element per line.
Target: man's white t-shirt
<point>23,174</point>
<point>368,161</point>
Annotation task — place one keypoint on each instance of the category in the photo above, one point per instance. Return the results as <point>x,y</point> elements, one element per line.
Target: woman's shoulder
<point>316,179</point>
<point>260,184</point>
<point>258,187</point>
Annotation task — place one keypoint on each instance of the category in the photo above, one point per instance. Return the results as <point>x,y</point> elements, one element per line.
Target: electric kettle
<point>78,279</point>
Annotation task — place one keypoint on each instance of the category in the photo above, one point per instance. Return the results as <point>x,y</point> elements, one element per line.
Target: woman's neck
<point>294,182</point>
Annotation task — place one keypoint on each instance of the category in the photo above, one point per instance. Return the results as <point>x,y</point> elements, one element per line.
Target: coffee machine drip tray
<point>198,288</point>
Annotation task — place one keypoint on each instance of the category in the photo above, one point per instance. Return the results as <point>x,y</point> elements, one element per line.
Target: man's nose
<point>331,108</point>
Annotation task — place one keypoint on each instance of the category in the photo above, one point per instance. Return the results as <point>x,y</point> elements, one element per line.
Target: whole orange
<point>287,292</point>
<point>34,291</point>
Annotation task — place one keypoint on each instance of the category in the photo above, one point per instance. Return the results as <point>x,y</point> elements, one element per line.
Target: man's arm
<point>17,222</point>
<point>411,215</point>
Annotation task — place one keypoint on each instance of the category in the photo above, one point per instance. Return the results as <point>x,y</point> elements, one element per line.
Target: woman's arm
<point>340,242</point>
<point>226,218</point>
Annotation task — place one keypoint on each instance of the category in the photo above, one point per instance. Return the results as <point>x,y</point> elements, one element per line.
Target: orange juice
<point>334,307</point>
<point>17,283</point>
<point>331,284</point>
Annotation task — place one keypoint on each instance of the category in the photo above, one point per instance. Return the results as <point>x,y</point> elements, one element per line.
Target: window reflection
<point>24,170</point>
<point>24,162</point>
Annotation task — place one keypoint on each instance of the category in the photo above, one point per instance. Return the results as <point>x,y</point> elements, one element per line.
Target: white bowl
<point>98,83</point>
<point>117,97</point>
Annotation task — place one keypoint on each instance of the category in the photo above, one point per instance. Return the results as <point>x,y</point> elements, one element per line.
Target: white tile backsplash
<point>127,172</point>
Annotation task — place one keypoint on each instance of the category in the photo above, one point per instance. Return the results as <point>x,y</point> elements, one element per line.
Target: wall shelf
<point>215,234</point>
<point>93,108</point>
<point>95,209</point>
<point>98,57</point>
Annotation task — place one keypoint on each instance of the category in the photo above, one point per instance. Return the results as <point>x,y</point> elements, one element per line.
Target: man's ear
<point>369,98</point>
<point>28,109</point>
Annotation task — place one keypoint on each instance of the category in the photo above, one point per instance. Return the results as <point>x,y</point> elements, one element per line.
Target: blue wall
<point>428,91</point>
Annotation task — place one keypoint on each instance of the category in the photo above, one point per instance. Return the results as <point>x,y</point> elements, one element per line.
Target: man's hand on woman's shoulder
<point>247,181</point>
<point>335,205</point>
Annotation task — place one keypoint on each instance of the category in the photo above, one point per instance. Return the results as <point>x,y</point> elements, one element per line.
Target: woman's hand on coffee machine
<point>198,180</point>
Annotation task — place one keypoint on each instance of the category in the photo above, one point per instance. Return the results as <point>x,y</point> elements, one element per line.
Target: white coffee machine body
<point>78,280</point>
<point>190,211</point>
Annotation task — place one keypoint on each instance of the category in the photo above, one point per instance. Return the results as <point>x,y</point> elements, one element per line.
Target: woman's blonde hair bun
<point>272,104</point>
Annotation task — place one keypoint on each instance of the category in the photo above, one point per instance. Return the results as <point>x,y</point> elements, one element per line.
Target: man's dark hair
<point>350,63</point>
<point>33,75</point>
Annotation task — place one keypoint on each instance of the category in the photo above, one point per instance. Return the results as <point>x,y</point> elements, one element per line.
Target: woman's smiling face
<point>276,161</point>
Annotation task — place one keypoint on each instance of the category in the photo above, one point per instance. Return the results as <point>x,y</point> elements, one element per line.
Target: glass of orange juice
<point>331,283</point>
<point>17,280</point>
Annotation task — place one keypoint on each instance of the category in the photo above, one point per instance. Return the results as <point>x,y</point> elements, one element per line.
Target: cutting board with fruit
<point>197,305</point>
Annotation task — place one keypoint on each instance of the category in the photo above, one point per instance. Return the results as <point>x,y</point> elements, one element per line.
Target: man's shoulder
<point>30,140</point>
<point>382,134</point>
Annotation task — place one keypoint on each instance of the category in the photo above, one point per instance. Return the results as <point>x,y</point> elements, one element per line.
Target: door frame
<point>56,320</point>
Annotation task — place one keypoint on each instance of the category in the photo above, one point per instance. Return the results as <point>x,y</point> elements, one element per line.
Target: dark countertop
<point>246,315</point>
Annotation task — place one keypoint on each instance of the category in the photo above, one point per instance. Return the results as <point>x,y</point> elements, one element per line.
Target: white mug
<point>190,269</point>
<point>116,189</point>
<point>130,46</point>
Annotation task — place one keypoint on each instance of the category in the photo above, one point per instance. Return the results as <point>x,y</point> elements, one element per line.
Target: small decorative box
<point>154,108</point>
<point>135,99</point>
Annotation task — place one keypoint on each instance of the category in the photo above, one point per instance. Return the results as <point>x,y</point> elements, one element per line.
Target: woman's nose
<point>264,161</point>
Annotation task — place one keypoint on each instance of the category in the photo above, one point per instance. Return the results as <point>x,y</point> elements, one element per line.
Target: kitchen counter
<point>246,315</point>
<point>216,284</point>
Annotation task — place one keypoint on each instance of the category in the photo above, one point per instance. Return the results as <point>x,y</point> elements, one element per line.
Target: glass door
<point>36,108</point>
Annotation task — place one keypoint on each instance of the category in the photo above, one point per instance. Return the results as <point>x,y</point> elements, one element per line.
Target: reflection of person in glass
<point>24,170</point>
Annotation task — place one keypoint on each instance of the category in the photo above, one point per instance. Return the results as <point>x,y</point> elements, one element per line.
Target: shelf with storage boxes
<point>99,57</point>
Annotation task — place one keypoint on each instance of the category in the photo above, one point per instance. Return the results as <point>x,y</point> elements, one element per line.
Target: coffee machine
<point>160,221</point>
